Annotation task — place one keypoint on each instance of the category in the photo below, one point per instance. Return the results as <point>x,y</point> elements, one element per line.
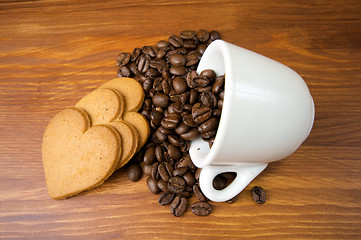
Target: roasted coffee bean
<point>201,114</point>
<point>133,68</point>
<point>176,185</point>
<point>171,121</point>
<point>158,64</point>
<point>162,44</point>
<point>156,117</point>
<point>154,172</point>
<point>179,85</point>
<point>143,63</point>
<point>178,206</point>
<point>152,185</point>
<point>190,76</point>
<point>150,50</point>
<point>160,100</point>
<point>182,128</point>
<point>219,182</point>
<point>159,136</point>
<point>208,99</point>
<point>175,140</point>
<point>177,59</point>
<point>123,59</point>
<point>147,169</point>
<point>184,98</point>
<point>185,161</point>
<point>188,34</point>
<point>180,50</point>
<point>193,58</point>
<point>178,70</point>
<point>152,73</point>
<point>161,53</point>
<point>220,103</point>
<point>221,94</point>
<point>135,54</point>
<point>216,112</point>
<point>159,153</point>
<point>209,134</point>
<point>166,198</point>
<point>189,178</point>
<point>214,35</point>
<point>218,84</point>
<point>201,208</point>
<point>165,171</point>
<point>149,155</point>
<point>134,172</point>
<point>203,35</point>
<point>258,194</point>
<point>174,152</point>
<point>147,85</point>
<point>190,135</point>
<point>208,125</point>
<point>201,48</point>
<point>233,200</point>
<point>193,96</point>
<point>189,44</point>
<point>209,73</point>
<point>180,171</point>
<point>198,172</point>
<point>203,89</point>
<point>166,86</point>
<point>185,147</point>
<point>201,81</point>
<point>124,71</point>
<point>188,119</point>
<point>176,41</point>
<point>198,193</point>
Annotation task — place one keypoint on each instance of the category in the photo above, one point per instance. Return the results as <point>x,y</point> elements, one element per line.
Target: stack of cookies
<point>83,145</point>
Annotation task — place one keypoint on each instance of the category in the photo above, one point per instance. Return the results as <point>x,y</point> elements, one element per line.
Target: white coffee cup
<point>267,113</point>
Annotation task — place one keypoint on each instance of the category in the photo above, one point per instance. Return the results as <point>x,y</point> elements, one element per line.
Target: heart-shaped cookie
<point>77,157</point>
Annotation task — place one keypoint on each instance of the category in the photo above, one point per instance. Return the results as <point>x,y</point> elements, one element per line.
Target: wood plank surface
<point>54,52</point>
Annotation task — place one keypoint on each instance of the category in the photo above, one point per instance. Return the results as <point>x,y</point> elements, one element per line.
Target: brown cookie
<point>141,124</point>
<point>76,156</point>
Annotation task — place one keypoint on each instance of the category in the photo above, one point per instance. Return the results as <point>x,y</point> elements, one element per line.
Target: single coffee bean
<point>159,136</point>
<point>190,135</point>
<point>185,161</point>
<point>147,169</point>
<point>150,50</point>
<point>201,208</point>
<point>162,185</point>
<point>203,35</point>
<point>189,44</point>
<point>220,103</point>
<point>182,128</point>
<point>233,200</point>
<point>166,86</point>
<point>152,73</point>
<point>166,198</point>
<point>123,59</point>
<point>178,70</point>
<point>175,140</point>
<point>134,172</point>
<point>179,84</point>
<point>161,53</point>
<point>158,64</point>
<point>209,73</point>
<point>180,171</point>
<point>219,182</point>
<point>177,59</point>
<point>214,35</point>
<point>171,121</point>
<point>185,147</point>
<point>258,194</point>
<point>189,178</point>
<point>208,99</point>
<point>176,185</point>
<point>208,125</point>
<point>193,96</point>
<point>178,206</point>
<point>124,71</point>
<point>147,85</point>
<point>192,58</point>
<point>198,172</point>
<point>201,114</point>
<point>135,54</point>
<point>156,117</point>
<point>209,134</point>
<point>159,153</point>
<point>218,84</point>
<point>188,119</point>
<point>162,44</point>
<point>164,172</point>
<point>160,100</point>
<point>152,185</point>
<point>174,152</point>
<point>188,34</point>
<point>143,63</point>
<point>176,41</point>
<point>154,172</point>
<point>198,193</point>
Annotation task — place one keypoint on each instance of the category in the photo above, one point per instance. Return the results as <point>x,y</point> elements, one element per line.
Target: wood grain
<point>54,52</point>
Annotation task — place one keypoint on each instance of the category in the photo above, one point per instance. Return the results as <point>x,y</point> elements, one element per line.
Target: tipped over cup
<point>267,113</point>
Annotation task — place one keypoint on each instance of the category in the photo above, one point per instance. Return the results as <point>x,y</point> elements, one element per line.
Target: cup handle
<point>245,174</point>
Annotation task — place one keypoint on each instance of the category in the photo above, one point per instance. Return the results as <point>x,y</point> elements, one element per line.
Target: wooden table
<point>54,52</point>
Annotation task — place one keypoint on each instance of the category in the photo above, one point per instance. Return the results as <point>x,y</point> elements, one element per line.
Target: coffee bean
<point>154,172</point>
<point>189,178</point>
<point>185,161</point>
<point>197,174</point>
<point>198,193</point>
<point>208,99</point>
<point>177,59</point>
<point>156,117</point>
<point>203,35</point>
<point>174,152</point>
<point>171,121</point>
<point>162,44</point>
<point>193,96</point>
<point>220,103</point>
<point>160,100</point>
<point>201,114</point>
<point>143,63</point>
<point>182,128</point>
<point>219,182</point>
<point>178,70</point>
<point>189,44</point>
<point>159,136</point>
<point>180,171</point>
<point>164,171</point>
<point>214,35</point>
<point>193,58</point>
<point>166,198</point>
<point>201,48</point>
<point>124,71</point>
<point>152,185</point>
<point>209,73</point>
<point>175,140</point>
<point>159,153</point>
<point>176,185</point>
<point>188,119</point>
<point>187,34</point>
<point>147,169</point>
<point>178,206</point>
<point>134,172</point>
<point>179,84</point>
<point>123,59</point>
<point>201,208</point>
<point>218,84</point>
<point>150,50</point>
<point>208,125</point>
<point>258,194</point>
<point>176,41</point>
<point>190,135</point>
<point>135,54</point>
<point>166,86</point>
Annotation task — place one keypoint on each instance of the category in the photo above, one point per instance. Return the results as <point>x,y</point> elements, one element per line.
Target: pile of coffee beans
<point>180,106</point>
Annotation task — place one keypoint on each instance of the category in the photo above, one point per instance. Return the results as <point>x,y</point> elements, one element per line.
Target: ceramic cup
<point>267,113</point>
